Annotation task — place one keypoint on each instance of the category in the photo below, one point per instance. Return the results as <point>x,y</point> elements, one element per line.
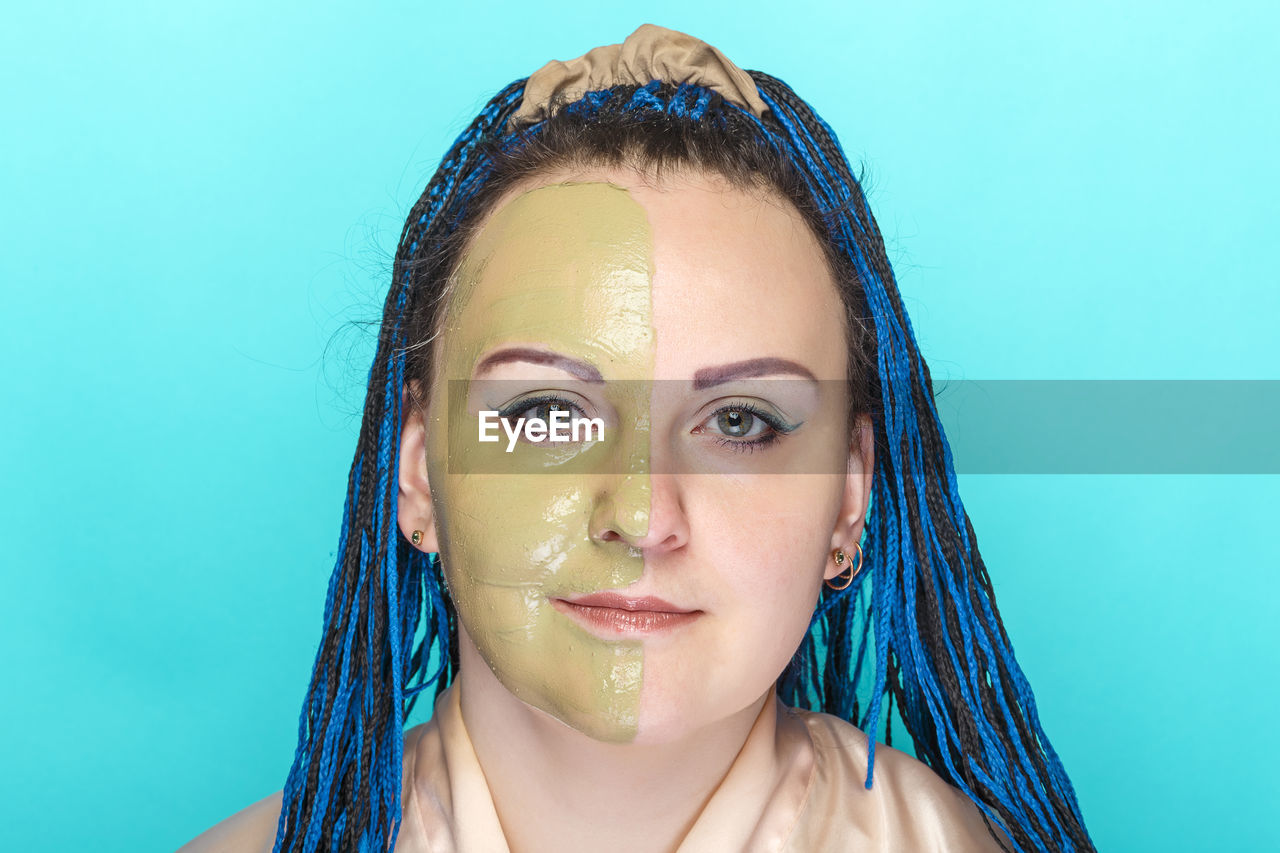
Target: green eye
<point>735,422</point>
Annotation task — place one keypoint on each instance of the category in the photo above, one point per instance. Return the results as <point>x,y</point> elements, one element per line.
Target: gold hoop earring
<point>416,538</point>
<point>840,557</point>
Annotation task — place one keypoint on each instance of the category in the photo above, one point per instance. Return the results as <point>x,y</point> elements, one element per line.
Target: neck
<point>555,788</point>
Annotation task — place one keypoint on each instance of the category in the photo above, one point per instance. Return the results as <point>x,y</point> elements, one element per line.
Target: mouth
<point>619,615</point>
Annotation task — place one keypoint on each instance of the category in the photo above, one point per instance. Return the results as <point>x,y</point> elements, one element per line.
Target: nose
<point>643,510</point>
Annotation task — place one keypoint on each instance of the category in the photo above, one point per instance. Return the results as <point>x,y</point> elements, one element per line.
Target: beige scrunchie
<point>650,53</point>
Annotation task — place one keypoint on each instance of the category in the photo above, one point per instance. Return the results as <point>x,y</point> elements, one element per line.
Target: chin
<point>664,730</point>
<point>671,716</point>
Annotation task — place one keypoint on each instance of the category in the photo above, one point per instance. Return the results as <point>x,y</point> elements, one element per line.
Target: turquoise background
<point>199,200</point>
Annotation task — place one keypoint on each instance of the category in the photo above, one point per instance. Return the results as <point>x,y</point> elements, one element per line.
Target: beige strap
<point>650,53</point>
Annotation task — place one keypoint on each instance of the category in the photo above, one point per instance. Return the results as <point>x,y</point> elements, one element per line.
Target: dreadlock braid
<point>922,617</point>
<point>941,648</point>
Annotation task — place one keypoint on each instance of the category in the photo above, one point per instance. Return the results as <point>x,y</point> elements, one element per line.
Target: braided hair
<point>920,621</point>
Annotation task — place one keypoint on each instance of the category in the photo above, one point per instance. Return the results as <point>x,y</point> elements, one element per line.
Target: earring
<point>840,557</point>
<point>416,538</point>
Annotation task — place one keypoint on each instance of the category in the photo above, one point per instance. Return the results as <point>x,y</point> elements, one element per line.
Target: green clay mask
<point>565,269</point>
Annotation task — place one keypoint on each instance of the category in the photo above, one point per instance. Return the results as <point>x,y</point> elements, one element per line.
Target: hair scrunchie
<point>650,53</point>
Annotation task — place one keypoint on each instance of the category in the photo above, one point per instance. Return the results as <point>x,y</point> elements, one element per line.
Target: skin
<point>642,280</point>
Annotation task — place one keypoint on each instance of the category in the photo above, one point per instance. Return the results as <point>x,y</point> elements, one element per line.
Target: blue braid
<point>896,623</point>
<point>379,615</point>
<point>895,606</point>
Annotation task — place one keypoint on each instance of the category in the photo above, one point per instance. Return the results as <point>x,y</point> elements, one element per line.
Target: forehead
<point>618,267</point>
<point>739,274</point>
<point>568,266</point>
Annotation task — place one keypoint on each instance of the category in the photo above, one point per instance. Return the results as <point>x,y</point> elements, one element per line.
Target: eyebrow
<point>709,376</point>
<point>580,369</point>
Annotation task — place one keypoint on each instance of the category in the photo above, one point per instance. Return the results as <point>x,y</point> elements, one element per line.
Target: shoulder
<point>909,806</point>
<point>250,830</point>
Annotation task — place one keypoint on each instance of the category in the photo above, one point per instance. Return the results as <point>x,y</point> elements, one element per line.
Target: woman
<point>652,637</point>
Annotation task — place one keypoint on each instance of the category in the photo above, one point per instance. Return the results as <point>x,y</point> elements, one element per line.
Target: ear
<point>415,510</point>
<point>857,493</point>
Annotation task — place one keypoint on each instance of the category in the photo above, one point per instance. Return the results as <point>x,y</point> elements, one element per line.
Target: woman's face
<point>658,576</point>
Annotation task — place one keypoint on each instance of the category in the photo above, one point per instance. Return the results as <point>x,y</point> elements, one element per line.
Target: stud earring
<point>416,538</point>
<point>840,557</point>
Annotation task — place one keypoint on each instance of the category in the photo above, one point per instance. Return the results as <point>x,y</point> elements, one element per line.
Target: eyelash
<point>777,428</point>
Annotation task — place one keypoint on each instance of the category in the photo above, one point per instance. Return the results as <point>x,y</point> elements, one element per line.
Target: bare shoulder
<point>250,830</point>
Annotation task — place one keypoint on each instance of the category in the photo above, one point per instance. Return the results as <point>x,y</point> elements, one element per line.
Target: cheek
<point>772,535</point>
<point>501,533</point>
<point>787,518</point>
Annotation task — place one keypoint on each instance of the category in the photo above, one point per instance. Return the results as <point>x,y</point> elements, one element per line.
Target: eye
<point>744,426</point>
<point>540,408</point>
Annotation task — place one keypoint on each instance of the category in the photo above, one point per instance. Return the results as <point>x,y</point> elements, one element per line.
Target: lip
<point>620,615</point>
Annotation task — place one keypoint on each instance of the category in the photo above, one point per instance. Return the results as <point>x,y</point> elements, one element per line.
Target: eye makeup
<point>744,416</point>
